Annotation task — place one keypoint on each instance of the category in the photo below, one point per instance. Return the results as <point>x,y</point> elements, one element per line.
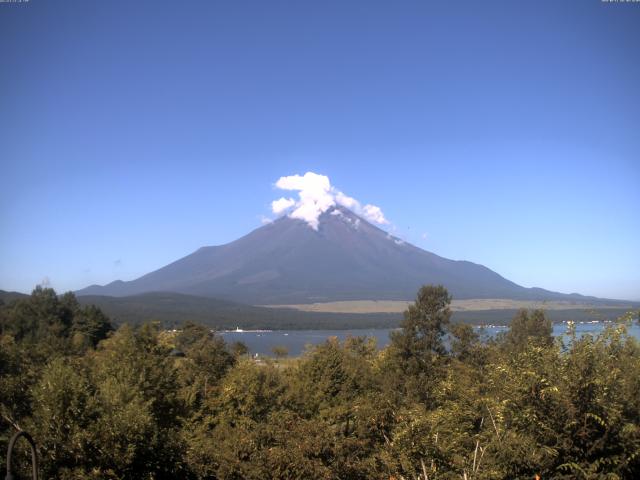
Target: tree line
<point>144,403</point>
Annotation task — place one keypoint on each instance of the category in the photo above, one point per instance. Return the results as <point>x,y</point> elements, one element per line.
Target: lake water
<point>262,342</point>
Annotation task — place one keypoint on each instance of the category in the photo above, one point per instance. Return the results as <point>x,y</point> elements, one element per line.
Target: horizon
<point>499,134</point>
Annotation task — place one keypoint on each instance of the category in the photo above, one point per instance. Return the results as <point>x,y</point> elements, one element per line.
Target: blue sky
<point>505,133</point>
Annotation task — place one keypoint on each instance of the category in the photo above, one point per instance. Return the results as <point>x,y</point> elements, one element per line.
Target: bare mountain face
<point>347,258</point>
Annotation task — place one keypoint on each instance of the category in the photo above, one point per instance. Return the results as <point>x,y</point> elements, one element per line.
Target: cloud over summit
<point>316,195</point>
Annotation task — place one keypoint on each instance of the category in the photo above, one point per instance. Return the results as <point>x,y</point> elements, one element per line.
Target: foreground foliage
<point>436,403</point>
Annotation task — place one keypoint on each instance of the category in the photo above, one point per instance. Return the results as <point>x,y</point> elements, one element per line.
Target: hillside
<point>6,297</point>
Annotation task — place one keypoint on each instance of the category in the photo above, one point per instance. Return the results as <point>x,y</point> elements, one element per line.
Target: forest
<point>141,402</point>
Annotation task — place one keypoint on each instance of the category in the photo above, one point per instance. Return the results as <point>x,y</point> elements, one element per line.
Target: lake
<point>261,342</point>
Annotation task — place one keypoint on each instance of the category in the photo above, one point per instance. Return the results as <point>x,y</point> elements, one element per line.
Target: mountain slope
<point>8,297</point>
<point>347,258</point>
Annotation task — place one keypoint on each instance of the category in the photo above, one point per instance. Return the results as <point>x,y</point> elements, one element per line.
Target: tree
<point>190,334</point>
<point>424,324</point>
<point>63,412</point>
<point>207,360</point>
<point>90,325</point>
<point>280,351</point>
<point>39,316</point>
<point>465,343</point>
<point>417,351</point>
<point>529,327</point>
<point>52,321</point>
<point>238,349</point>
<point>139,409</point>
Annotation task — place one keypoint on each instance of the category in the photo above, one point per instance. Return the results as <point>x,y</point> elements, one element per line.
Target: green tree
<point>529,327</point>
<point>465,343</point>
<point>207,360</point>
<point>54,322</point>
<point>424,324</point>
<point>238,349</point>
<point>41,316</point>
<point>417,351</point>
<point>63,412</point>
<point>140,411</point>
<point>90,325</point>
<point>280,351</point>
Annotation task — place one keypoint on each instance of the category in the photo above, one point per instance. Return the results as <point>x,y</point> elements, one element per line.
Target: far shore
<point>470,305</point>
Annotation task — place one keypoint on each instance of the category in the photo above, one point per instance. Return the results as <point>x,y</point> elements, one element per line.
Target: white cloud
<point>265,220</point>
<point>374,214</point>
<point>282,204</point>
<point>316,196</point>
<point>346,201</point>
<point>308,182</point>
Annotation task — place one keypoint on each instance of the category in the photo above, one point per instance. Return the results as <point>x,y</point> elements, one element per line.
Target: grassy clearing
<point>481,304</point>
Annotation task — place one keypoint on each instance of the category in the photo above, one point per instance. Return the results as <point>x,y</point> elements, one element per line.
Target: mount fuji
<point>344,258</point>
